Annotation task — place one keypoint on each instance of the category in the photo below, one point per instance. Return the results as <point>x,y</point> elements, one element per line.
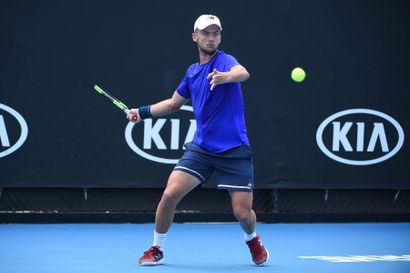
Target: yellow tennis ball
<point>298,74</point>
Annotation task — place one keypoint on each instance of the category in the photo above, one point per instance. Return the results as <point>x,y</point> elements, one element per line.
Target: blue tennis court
<point>302,248</point>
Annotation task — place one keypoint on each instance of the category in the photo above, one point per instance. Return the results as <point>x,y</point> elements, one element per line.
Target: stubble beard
<point>206,51</point>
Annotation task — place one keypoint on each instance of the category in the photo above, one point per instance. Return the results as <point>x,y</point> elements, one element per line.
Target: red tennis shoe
<point>260,254</point>
<point>153,256</point>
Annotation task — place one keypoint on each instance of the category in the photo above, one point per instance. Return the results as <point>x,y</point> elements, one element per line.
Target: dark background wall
<point>355,53</point>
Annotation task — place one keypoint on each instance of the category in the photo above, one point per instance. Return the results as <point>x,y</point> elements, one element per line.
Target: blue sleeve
<point>183,88</point>
<point>230,62</point>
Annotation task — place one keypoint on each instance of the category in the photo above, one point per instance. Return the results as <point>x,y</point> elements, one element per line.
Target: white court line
<point>358,259</point>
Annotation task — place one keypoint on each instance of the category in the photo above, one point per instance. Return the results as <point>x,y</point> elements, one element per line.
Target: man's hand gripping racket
<point>134,116</point>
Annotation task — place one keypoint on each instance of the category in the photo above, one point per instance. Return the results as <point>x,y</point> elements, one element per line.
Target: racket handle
<point>133,117</point>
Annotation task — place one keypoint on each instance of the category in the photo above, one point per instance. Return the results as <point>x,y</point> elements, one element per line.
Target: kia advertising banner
<point>346,125</point>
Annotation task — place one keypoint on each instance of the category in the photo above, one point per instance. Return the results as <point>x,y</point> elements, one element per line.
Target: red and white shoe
<point>260,254</point>
<point>153,256</point>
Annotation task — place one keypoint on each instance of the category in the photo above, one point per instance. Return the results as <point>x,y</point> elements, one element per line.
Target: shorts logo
<point>13,130</point>
<point>163,137</point>
<point>360,137</point>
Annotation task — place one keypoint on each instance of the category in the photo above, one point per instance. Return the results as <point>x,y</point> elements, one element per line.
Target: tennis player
<point>220,142</point>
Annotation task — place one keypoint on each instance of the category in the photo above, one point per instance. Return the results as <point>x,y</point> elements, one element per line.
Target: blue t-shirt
<point>219,113</point>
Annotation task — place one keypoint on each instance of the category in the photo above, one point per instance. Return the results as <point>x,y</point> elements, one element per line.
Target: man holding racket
<point>220,142</point>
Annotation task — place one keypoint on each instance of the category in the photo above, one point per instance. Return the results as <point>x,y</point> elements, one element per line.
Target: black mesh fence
<point>203,205</point>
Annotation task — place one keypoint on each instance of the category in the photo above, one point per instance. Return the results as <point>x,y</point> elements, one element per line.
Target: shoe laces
<point>153,249</point>
<point>255,245</point>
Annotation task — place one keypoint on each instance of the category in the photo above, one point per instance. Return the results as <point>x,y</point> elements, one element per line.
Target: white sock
<point>159,240</point>
<point>249,237</point>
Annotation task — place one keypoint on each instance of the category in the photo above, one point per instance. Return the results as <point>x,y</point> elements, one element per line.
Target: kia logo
<point>360,137</point>
<point>13,130</point>
<point>162,140</point>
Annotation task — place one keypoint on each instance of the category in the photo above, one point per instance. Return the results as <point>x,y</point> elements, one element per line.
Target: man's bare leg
<point>242,209</point>
<point>179,184</point>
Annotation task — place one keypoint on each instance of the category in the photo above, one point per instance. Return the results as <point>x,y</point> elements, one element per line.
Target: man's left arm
<point>238,73</point>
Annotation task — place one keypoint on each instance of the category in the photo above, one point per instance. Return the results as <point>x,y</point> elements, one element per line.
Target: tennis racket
<point>115,101</point>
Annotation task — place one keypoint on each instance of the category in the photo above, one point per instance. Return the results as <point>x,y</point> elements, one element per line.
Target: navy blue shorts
<point>235,166</point>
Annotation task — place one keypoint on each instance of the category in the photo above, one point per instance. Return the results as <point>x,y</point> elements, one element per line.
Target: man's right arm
<point>161,108</point>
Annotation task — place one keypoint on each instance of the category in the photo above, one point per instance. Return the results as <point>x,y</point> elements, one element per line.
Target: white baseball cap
<point>205,20</point>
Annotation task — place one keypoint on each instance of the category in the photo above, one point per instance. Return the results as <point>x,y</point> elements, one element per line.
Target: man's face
<point>208,39</point>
